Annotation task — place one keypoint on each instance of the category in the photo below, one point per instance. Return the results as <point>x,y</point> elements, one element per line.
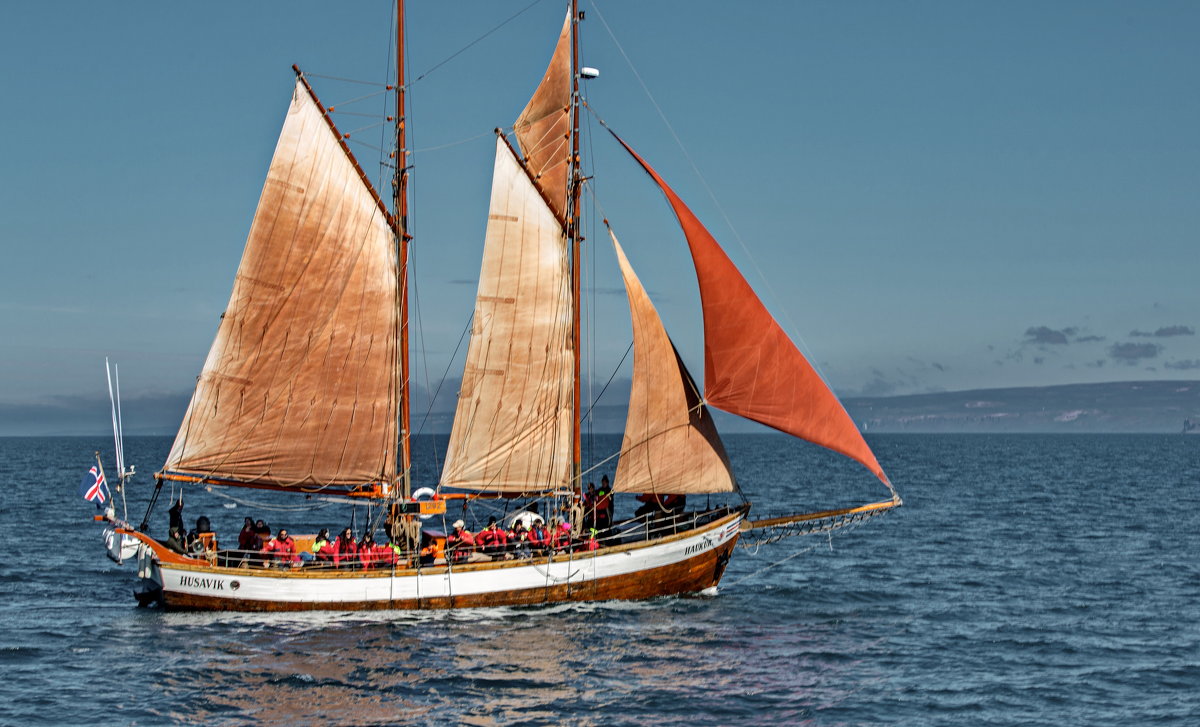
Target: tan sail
<point>670,443</point>
<point>512,428</point>
<point>543,128</point>
<point>300,387</point>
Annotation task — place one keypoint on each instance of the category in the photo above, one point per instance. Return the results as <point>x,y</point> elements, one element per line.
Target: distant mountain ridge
<point>1128,406</point>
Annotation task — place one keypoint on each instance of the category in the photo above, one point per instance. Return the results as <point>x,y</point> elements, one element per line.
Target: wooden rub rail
<point>773,529</point>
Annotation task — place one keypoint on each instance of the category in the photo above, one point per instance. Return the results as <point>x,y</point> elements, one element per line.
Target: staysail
<point>670,443</point>
<point>751,367</point>
<point>543,128</point>
<point>512,426</point>
<point>300,386</point>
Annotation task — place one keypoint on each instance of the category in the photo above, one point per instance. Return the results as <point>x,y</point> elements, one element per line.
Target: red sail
<point>751,367</point>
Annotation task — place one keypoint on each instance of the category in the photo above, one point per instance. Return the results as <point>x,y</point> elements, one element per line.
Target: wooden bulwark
<point>691,574</point>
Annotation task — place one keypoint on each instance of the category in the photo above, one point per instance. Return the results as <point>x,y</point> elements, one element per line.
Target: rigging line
<point>356,99</point>
<point>382,117</point>
<point>454,355</point>
<point>468,46</point>
<point>616,371</point>
<point>794,332</point>
<point>453,143</point>
<point>346,80</point>
<point>365,143</point>
<point>797,554</point>
<point>364,128</point>
<point>258,505</point>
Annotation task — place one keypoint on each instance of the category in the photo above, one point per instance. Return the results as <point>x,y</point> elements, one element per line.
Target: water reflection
<point>672,660</point>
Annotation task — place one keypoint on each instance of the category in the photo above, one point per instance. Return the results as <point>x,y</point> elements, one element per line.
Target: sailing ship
<point>306,387</point>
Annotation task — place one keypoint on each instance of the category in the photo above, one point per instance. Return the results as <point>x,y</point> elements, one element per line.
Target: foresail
<point>512,427</point>
<point>543,128</point>
<point>300,386</point>
<point>670,443</point>
<point>751,367</point>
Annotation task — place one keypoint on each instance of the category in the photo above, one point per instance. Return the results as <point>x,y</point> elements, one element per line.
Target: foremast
<point>400,205</point>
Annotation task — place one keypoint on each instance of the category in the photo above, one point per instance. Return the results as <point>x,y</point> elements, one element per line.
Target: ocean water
<point>1028,580</point>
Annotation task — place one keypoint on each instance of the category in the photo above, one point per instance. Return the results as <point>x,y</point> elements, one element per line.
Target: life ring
<point>427,492</point>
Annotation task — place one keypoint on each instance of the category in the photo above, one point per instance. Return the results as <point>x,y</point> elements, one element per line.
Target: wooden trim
<point>165,554</point>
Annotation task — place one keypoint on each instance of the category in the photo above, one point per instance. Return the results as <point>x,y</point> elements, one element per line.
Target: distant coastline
<point>1118,407</point>
<point>1115,407</point>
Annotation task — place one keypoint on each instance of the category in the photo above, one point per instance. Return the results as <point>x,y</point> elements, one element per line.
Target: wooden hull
<point>687,562</point>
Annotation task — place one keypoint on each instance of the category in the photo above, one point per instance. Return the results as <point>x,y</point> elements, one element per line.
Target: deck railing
<point>633,530</point>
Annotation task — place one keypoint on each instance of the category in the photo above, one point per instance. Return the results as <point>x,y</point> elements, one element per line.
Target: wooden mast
<point>400,205</point>
<point>576,240</point>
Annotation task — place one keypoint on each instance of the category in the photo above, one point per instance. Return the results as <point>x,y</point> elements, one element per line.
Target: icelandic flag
<point>93,487</point>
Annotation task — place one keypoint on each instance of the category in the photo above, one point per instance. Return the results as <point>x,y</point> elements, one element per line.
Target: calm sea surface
<point>1028,580</point>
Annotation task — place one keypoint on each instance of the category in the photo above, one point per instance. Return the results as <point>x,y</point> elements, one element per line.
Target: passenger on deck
<point>327,550</point>
<point>322,539</point>
<point>460,543</point>
<point>282,549</point>
<point>604,505</point>
<point>492,540</point>
<point>590,498</point>
<point>592,543</point>
<point>346,549</point>
<point>263,531</point>
<point>366,551</point>
<point>560,536</point>
<point>176,541</point>
<point>431,552</point>
<point>248,539</point>
<point>393,554</point>
<point>518,540</point>
<point>202,539</point>
<point>652,505</point>
<point>175,515</point>
<point>539,537</point>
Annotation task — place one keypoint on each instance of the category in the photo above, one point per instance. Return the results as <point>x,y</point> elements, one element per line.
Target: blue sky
<point>930,195</point>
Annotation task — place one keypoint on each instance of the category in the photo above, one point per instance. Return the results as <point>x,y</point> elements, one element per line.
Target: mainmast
<point>400,206</point>
<point>576,185</point>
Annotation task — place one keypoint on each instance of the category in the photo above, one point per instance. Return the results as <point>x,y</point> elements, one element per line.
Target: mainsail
<point>300,386</point>
<point>751,367</point>
<point>670,443</point>
<point>512,427</point>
